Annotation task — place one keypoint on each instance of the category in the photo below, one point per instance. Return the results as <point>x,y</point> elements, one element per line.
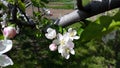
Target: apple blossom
<point>66,50</point>
<point>72,34</point>
<point>51,33</point>
<point>63,42</point>
<point>68,43</point>
<point>53,47</point>
<point>66,46</point>
<point>9,32</point>
<point>63,39</point>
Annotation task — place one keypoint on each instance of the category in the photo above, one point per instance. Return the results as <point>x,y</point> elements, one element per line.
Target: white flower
<point>65,46</point>
<point>5,61</point>
<point>63,39</point>
<point>66,50</point>
<point>51,33</point>
<point>5,46</point>
<point>9,32</point>
<point>72,34</point>
<point>53,47</point>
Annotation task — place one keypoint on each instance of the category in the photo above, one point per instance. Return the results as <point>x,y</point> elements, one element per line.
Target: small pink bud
<point>9,32</point>
<point>53,47</point>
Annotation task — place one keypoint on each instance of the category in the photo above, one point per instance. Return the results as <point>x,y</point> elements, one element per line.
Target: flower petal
<point>5,46</point>
<point>70,44</point>
<point>59,36</point>
<point>75,32</point>
<point>49,29</point>
<point>70,30</point>
<point>72,51</point>
<point>2,47</point>
<point>76,37</point>
<point>5,61</point>
<point>60,49</point>
<point>66,55</point>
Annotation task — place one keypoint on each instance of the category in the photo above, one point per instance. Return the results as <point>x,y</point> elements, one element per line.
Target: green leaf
<point>96,29</point>
<point>36,3</point>
<point>116,17</point>
<point>21,5</point>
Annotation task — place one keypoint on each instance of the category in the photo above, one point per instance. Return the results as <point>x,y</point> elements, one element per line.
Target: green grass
<point>61,5</point>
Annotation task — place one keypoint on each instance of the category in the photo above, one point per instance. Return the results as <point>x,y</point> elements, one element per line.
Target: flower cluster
<point>64,43</point>
<point>6,45</point>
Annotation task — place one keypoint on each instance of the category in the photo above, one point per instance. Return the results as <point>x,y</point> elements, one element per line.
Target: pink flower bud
<point>9,32</point>
<point>53,47</point>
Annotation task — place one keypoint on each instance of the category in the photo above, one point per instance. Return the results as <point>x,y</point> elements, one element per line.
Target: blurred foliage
<point>31,48</point>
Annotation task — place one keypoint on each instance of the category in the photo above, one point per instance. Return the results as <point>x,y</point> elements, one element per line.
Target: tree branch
<point>93,8</point>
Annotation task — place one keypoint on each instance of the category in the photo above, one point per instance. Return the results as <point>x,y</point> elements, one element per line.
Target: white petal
<point>66,37</point>
<point>76,37</point>
<point>2,47</point>
<point>5,46</point>
<point>48,36</point>
<point>70,29</point>
<point>65,53</point>
<point>75,32</point>
<point>72,51</point>
<point>5,61</point>
<point>59,36</point>
<point>70,44</point>
<point>49,29</point>
<point>60,49</point>
<point>67,56</point>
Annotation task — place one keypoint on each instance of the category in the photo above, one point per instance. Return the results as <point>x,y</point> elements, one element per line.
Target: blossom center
<point>71,34</point>
<point>67,50</point>
<point>62,42</point>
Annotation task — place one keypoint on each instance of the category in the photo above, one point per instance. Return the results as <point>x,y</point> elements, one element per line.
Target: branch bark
<point>93,8</point>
